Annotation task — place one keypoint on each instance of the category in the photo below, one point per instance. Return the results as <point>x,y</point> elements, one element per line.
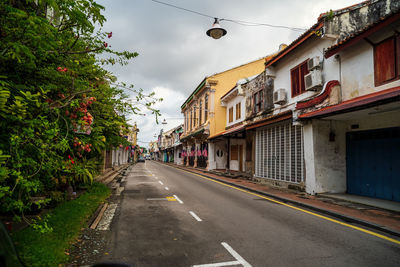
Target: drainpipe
<point>338,59</point>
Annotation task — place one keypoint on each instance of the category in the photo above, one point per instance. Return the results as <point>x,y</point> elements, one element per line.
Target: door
<point>373,163</point>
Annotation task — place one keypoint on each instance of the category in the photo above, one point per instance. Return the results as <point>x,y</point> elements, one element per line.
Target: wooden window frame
<point>200,111</point>
<point>230,114</point>
<point>238,110</point>
<point>205,107</point>
<point>260,103</point>
<point>396,58</point>
<point>234,152</point>
<point>297,72</point>
<point>194,117</point>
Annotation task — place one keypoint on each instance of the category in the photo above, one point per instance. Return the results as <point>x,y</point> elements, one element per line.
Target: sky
<point>175,54</point>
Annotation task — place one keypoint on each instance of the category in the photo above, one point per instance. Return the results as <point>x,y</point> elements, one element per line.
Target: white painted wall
<point>212,164</point>
<point>325,160</point>
<point>119,156</point>
<point>178,160</point>
<point>358,72</point>
<point>215,162</point>
<point>232,103</point>
<point>312,48</point>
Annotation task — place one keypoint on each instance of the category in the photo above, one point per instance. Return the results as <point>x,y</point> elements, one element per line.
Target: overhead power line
<point>240,22</point>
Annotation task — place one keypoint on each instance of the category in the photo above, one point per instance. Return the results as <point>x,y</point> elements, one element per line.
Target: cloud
<point>175,54</point>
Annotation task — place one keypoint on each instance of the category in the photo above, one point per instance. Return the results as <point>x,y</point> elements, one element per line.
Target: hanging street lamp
<point>216,30</point>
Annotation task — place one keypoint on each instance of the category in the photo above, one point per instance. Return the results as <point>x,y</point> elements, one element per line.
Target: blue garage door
<point>373,163</point>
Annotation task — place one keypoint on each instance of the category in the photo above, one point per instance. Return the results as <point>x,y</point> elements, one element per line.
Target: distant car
<point>141,159</point>
<point>148,157</point>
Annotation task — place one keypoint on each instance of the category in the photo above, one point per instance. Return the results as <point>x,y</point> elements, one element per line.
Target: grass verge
<point>67,221</point>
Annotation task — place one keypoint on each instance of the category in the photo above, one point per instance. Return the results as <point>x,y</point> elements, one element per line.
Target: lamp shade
<point>216,31</point>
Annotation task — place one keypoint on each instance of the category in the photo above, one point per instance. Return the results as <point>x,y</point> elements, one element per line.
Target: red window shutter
<point>303,72</point>
<point>385,62</point>
<point>295,81</point>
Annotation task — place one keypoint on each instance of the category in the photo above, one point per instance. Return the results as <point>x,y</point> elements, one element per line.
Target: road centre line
<point>161,183</point>
<point>195,216</point>
<point>300,209</point>
<point>177,198</point>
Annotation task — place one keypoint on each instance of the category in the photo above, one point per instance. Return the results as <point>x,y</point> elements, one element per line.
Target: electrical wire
<point>240,22</point>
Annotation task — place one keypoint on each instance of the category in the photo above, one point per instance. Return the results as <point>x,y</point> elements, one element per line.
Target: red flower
<point>109,35</point>
<point>105,44</point>
<point>59,69</point>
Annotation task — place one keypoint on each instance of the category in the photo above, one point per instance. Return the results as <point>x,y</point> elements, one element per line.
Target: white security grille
<point>280,153</point>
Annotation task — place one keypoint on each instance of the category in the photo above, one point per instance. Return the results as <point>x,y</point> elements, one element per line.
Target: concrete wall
<point>325,159</point>
<point>357,75</point>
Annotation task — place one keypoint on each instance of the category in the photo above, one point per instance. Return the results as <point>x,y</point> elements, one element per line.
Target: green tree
<point>59,107</point>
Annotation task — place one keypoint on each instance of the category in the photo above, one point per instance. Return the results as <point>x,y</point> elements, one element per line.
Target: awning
<point>231,131</point>
<point>200,131</point>
<point>357,103</point>
<point>176,144</point>
<point>272,119</point>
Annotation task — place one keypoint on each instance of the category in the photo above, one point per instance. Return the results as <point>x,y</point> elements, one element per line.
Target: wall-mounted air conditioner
<point>313,80</point>
<point>313,63</point>
<point>280,96</point>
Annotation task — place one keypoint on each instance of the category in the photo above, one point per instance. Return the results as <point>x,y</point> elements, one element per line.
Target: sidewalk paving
<point>373,217</point>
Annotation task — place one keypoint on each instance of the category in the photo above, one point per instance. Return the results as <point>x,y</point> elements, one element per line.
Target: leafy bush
<point>59,108</point>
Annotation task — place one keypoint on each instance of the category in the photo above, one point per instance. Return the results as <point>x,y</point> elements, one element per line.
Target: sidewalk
<point>373,217</point>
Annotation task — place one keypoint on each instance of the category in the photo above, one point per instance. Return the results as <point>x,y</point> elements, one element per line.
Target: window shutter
<point>295,81</point>
<point>385,61</point>
<point>231,114</point>
<point>303,72</point>
<point>234,152</point>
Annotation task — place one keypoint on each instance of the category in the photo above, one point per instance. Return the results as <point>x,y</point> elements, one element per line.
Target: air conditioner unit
<point>313,80</point>
<point>313,63</point>
<point>280,96</point>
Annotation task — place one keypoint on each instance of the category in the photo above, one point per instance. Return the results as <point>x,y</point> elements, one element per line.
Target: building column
<point>196,146</point>
<point>211,156</point>
<point>187,154</point>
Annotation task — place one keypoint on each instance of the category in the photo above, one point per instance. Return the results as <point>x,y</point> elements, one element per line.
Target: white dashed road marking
<point>166,188</point>
<point>161,183</point>
<point>195,216</point>
<point>177,198</point>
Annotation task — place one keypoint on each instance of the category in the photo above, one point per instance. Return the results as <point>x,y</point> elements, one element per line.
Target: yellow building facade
<point>204,116</point>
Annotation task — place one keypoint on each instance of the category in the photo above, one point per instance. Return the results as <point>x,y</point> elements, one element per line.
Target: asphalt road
<point>169,217</point>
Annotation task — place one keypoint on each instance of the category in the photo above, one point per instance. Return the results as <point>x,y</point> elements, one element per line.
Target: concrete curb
<point>297,203</point>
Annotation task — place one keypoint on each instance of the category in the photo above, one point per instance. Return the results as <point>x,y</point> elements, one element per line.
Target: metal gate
<point>373,163</point>
<point>280,153</point>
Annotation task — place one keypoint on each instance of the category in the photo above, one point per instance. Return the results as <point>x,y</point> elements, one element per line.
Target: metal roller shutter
<point>280,153</point>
